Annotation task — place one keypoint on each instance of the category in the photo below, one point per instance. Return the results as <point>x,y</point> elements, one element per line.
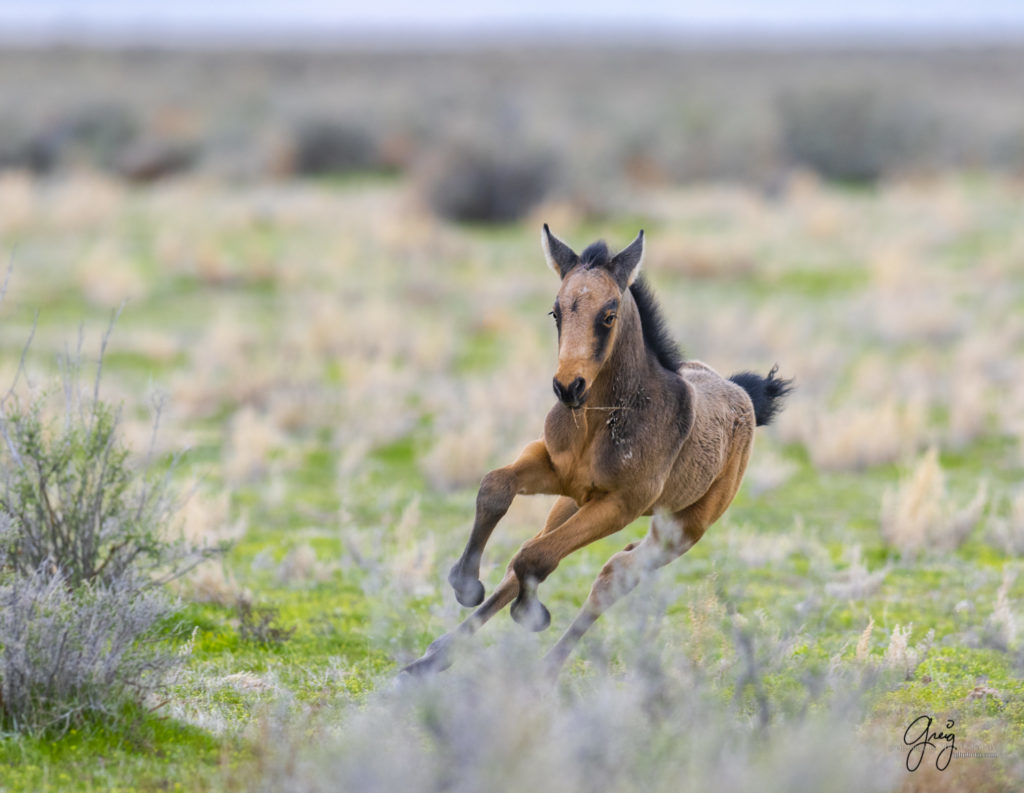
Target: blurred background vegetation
<point>490,133</point>
<point>334,299</point>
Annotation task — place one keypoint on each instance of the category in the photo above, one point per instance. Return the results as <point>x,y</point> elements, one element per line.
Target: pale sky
<point>248,17</point>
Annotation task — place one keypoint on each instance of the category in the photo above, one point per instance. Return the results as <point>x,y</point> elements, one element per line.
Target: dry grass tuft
<point>253,440</point>
<point>855,437</point>
<point>855,582</point>
<point>970,411</point>
<point>210,582</point>
<point>461,455</point>
<point>757,548</point>
<point>414,567</point>
<point>17,201</point>
<point>1004,626</point>
<point>924,316</point>
<point>108,278</point>
<point>863,651</point>
<point>373,405</point>
<point>900,655</point>
<point>1007,532</point>
<point>248,681</point>
<point>767,471</point>
<point>706,613</point>
<point>920,515</point>
<point>728,257</point>
<point>301,566</point>
<point>207,520</point>
<point>483,422</point>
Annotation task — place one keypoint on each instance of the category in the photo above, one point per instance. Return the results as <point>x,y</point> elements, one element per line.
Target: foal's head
<point>586,312</point>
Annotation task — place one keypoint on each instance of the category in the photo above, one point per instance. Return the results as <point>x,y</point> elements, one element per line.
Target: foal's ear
<point>625,265</point>
<point>559,256</point>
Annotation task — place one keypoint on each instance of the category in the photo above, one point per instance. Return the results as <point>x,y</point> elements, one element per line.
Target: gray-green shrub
<point>484,184</point>
<point>84,549</point>
<point>327,146</point>
<point>69,650</point>
<point>851,134</point>
<point>75,502</point>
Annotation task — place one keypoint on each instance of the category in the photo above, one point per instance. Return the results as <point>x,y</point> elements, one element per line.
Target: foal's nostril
<point>571,395</point>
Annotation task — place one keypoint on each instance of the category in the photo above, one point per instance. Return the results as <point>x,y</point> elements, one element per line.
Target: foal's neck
<point>625,372</point>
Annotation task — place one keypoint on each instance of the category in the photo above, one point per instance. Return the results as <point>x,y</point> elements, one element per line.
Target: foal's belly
<point>692,475</point>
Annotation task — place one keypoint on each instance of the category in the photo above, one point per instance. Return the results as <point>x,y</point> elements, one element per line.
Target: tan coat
<point>636,431</point>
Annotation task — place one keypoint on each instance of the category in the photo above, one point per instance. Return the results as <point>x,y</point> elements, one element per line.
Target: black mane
<point>595,255</point>
<point>657,338</point>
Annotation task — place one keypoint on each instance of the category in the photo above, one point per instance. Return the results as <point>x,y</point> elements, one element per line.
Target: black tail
<point>766,393</point>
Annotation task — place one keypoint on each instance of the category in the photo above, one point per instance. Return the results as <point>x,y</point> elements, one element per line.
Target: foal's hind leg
<point>531,472</point>
<point>669,537</point>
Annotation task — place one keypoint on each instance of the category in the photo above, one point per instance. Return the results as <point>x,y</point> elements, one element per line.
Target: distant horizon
<point>320,23</point>
<point>519,38</point>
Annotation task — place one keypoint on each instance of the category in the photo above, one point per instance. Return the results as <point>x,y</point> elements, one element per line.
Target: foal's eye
<point>609,320</point>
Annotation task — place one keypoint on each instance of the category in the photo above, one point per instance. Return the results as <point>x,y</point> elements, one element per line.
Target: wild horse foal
<point>636,430</point>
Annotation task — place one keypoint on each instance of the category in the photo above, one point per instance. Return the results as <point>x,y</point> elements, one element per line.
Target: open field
<point>342,368</point>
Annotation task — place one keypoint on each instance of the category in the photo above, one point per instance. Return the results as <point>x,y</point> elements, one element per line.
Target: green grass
<point>358,621</point>
<point>151,753</point>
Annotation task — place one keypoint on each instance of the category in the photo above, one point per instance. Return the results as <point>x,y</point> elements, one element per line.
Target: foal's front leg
<point>438,656</point>
<point>538,557</point>
<point>532,472</point>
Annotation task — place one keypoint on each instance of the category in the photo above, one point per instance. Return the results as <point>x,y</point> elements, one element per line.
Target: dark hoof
<point>440,645</point>
<point>436,659</point>
<point>530,613</point>
<point>553,663</point>
<point>468,591</point>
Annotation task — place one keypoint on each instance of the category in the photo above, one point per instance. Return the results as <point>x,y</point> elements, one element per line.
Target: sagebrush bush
<point>153,158</point>
<point>74,501</point>
<point>474,183</point>
<point>22,150</point>
<point>84,549</point>
<point>850,134</point>
<point>325,146</point>
<point>68,650</point>
<point>97,132</point>
<point>93,134</point>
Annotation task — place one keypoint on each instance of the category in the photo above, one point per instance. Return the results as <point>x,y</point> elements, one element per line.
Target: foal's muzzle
<point>573,395</point>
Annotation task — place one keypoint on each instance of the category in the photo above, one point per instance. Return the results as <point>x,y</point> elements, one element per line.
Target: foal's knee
<point>618,560</point>
<point>532,562</point>
<point>497,489</point>
<point>619,576</point>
